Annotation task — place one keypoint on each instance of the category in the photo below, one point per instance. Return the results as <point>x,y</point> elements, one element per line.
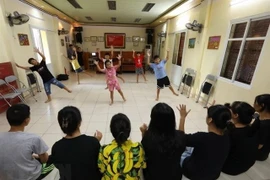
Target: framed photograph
<point>23,39</point>
<point>135,44</point>
<point>93,38</point>
<point>117,40</point>
<point>213,42</point>
<point>142,39</point>
<point>128,39</point>
<point>94,43</point>
<point>162,44</point>
<point>86,39</point>
<point>62,42</point>
<point>135,38</point>
<point>100,39</point>
<point>191,42</point>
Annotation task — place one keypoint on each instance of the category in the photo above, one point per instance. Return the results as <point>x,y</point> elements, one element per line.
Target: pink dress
<point>111,78</point>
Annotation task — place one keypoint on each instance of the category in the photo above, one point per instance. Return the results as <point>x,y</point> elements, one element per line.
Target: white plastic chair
<point>9,96</point>
<point>11,79</point>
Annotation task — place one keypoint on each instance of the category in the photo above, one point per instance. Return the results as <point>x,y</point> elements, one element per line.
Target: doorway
<point>178,55</point>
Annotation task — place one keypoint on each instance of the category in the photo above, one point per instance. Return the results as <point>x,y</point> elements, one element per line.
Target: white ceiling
<point>126,10</point>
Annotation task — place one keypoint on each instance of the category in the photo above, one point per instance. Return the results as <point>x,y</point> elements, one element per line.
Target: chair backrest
<point>31,77</point>
<point>10,79</point>
<point>2,82</point>
<point>190,72</point>
<point>211,77</point>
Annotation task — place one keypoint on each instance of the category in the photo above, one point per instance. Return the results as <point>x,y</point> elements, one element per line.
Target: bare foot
<point>69,91</point>
<point>156,99</point>
<point>137,82</point>
<point>111,103</point>
<point>176,94</point>
<point>106,88</point>
<point>124,99</point>
<point>48,100</point>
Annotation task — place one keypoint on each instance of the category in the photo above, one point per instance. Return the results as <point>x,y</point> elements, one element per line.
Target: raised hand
<point>36,49</point>
<point>183,110</point>
<point>143,128</point>
<point>133,50</point>
<point>148,53</point>
<point>98,135</point>
<point>119,56</point>
<point>96,62</point>
<point>16,64</point>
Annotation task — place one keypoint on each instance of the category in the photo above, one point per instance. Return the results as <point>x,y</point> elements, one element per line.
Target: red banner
<point>117,40</point>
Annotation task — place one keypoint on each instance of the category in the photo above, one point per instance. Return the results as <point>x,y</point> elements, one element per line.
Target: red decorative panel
<point>117,40</point>
<point>6,70</point>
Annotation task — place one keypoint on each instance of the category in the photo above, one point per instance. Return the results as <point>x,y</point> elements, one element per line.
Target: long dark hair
<point>120,128</point>
<point>69,119</point>
<point>264,101</point>
<point>162,129</point>
<point>244,110</point>
<point>221,116</point>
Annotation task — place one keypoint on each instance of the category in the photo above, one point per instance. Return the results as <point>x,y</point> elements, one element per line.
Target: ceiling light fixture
<point>75,4</point>
<point>148,7</point>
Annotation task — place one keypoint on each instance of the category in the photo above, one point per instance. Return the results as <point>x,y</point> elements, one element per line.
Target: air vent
<point>148,7</point>
<point>137,20</point>
<point>112,5</point>
<point>75,4</point>
<point>113,19</point>
<point>88,18</point>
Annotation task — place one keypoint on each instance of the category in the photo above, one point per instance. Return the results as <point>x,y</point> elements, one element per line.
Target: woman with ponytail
<point>206,152</point>
<point>244,141</point>
<point>121,159</point>
<point>76,154</point>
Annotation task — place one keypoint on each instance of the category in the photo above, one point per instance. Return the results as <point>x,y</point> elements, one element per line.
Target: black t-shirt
<point>263,127</point>
<point>209,154</point>
<point>43,71</point>
<point>244,146</point>
<point>163,165</point>
<point>77,158</point>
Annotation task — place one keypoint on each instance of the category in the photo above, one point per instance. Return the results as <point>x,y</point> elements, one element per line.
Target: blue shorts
<point>47,85</point>
<point>78,70</point>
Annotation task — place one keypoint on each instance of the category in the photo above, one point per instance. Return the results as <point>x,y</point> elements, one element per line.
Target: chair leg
<point>22,99</point>
<point>7,102</point>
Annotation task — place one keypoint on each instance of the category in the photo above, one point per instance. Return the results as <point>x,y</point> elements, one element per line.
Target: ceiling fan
<point>17,19</point>
<point>194,26</point>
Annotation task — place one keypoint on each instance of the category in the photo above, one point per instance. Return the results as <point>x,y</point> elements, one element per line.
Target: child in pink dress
<point>111,78</point>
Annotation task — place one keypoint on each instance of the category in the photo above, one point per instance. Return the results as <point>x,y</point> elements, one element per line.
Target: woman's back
<point>76,158</point>
<point>162,158</point>
<point>121,162</point>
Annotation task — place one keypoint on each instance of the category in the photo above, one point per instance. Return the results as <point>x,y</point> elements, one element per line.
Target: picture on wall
<point>62,42</point>
<point>100,39</point>
<point>117,40</point>
<point>23,39</point>
<point>191,42</point>
<point>86,39</point>
<point>213,42</point>
<point>135,38</point>
<point>93,38</point>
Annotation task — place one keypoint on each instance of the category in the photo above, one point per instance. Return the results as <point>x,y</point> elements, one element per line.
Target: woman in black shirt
<point>244,141</point>
<point>163,145</point>
<point>208,150</point>
<point>76,154</point>
<point>262,124</point>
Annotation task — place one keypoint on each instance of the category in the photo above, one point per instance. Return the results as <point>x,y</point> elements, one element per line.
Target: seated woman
<point>76,154</point>
<point>262,124</point>
<point>207,151</point>
<point>163,145</point>
<point>244,141</point>
<point>122,159</point>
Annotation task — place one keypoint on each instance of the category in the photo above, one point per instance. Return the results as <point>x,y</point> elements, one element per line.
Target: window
<point>243,50</point>
<point>178,48</point>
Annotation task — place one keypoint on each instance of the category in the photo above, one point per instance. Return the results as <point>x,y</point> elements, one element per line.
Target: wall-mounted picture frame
<point>135,38</point>
<point>163,43</point>
<point>100,39</point>
<point>135,44</point>
<point>213,42</point>
<point>128,39</point>
<point>191,43</point>
<point>93,38</point>
<point>117,40</point>
<point>23,39</point>
<point>142,39</point>
<point>94,43</point>
<point>86,39</point>
<point>62,42</point>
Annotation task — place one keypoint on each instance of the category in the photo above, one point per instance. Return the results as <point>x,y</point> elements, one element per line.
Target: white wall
<point>215,15</point>
<point>9,43</point>
<point>100,30</point>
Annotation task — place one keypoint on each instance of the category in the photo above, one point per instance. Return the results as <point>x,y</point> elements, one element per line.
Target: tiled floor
<point>93,101</point>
